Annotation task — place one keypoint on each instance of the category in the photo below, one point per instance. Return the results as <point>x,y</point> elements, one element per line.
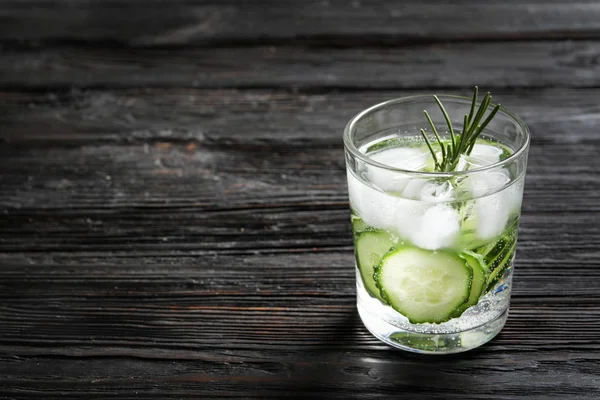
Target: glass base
<point>431,343</point>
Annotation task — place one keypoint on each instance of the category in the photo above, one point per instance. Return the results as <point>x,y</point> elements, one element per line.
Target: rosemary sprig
<point>462,143</point>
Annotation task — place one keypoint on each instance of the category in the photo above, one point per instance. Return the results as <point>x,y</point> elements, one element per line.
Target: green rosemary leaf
<point>447,117</point>
<point>430,148</point>
<point>481,111</point>
<point>473,104</point>
<point>487,120</point>
<point>481,127</point>
<point>462,137</point>
<point>435,132</point>
<point>470,149</point>
<point>464,142</point>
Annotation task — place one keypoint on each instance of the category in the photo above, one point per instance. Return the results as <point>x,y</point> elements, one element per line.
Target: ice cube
<point>469,163</point>
<point>411,159</point>
<point>491,212</point>
<point>486,154</point>
<point>389,181</point>
<point>435,192</point>
<point>486,182</point>
<point>373,206</point>
<point>413,188</point>
<point>514,196</point>
<point>491,215</point>
<point>491,209</point>
<point>407,214</point>
<point>436,228</point>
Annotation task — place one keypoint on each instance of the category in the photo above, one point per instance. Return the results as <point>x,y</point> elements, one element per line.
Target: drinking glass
<point>434,250</point>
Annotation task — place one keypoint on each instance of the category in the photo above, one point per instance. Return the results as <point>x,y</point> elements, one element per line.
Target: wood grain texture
<point>185,22</point>
<point>437,65</point>
<point>151,248</point>
<point>174,219</point>
<point>168,148</point>
<point>262,328</point>
<point>323,374</point>
<point>240,120</point>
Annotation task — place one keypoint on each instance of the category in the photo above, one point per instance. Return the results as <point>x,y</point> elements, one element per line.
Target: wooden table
<point>174,220</point>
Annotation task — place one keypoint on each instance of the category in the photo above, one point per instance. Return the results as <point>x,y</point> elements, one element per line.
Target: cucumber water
<point>435,185</point>
<point>433,255</point>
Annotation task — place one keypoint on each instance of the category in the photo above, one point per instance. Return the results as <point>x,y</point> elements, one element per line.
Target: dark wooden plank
<point>229,324</point>
<point>451,65</point>
<point>312,375</point>
<point>208,120</point>
<point>220,281</point>
<point>177,312</point>
<point>184,22</point>
<point>267,228</point>
<point>104,179</point>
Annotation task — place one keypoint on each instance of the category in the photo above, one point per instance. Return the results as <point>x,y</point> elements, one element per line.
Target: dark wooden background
<point>174,219</point>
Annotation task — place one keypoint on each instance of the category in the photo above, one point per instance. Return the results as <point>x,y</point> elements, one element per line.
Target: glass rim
<point>349,145</point>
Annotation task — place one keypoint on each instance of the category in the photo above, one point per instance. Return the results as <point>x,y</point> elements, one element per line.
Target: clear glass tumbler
<point>434,251</point>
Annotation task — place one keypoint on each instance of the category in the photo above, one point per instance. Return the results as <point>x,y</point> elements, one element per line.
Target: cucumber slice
<point>358,225</point>
<point>479,282</point>
<point>421,341</point>
<point>370,247</point>
<point>498,255</point>
<point>493,251</point>
<point>424,286</point>
<point>475,261</point>
<point>501,268</point>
